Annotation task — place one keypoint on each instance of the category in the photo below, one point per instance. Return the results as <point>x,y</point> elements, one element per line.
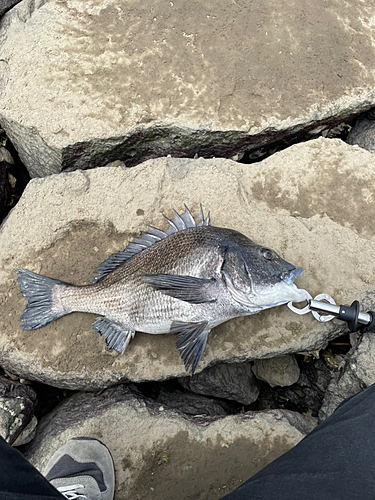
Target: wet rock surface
<point>162,78</point>
<point>67,237</point>
<point>152,447</point>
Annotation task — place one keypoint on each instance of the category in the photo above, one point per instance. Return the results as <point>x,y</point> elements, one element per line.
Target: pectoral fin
<point>115,336</point>
<point>187,288</point>
<point>191,342</point>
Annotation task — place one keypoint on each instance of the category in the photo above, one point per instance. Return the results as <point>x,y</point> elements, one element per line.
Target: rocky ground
<point>267,124</point>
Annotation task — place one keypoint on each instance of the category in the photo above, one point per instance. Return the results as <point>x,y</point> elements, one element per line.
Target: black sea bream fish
<point>186,280</point>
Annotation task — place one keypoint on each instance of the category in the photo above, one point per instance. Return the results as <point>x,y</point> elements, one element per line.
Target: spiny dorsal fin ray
<point>188,218</point>
<point>156,232</point>
<point>204,221</point>
<point>172,226</point>
<point>178,223</point>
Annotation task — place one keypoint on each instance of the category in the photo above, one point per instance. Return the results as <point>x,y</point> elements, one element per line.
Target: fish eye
<point>267,254</point>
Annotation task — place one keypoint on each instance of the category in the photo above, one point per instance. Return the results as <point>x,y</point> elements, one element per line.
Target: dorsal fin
<point>204,221</point>
<point>178,223</point>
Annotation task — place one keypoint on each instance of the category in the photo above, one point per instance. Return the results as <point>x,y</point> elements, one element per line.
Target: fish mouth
<point>289,276</point>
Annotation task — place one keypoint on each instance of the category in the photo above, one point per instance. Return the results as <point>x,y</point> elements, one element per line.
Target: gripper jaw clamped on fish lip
<point>350,314</point>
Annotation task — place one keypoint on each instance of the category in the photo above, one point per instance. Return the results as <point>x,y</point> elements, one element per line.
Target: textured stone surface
<point>358,373</point>
<point>228,381</point>
<point>65,225</point>
<point>337,391</point>
<point>6,5</point>
<point>190,404</point>
<point>158,454</point>
<point>281,371</point>
<point>5,156</point>
<point>17,405</point>
<point>138,80</point>
<point>363,132</point>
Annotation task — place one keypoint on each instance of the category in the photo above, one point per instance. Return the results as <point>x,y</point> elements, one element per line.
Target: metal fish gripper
<point>324,308</point>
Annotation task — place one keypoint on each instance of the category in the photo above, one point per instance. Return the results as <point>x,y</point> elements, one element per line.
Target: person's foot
<point>82,468</point>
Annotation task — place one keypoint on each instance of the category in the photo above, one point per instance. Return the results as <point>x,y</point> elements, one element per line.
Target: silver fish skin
<point>185,280</point>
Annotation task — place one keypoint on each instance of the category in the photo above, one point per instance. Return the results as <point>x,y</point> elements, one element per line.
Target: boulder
<point>134,81</point>
<point>160,454</point>
<point>305,396</point>
<point>7,5</point>
<point>357,372</point>
<point>65,225</point>
<point>338,390</point>
<point>228,381</point>
<point>363,132</point>
<point>282,371</point>
<point>5,156</point>
<point>17,405</point>
<point>189,404</point>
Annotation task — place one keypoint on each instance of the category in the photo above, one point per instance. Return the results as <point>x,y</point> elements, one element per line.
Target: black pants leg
<point>19,480</point>
<point>334,462</point>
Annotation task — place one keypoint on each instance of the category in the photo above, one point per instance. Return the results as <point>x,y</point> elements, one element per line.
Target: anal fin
<point>191,342</point>
<point>115,336</point>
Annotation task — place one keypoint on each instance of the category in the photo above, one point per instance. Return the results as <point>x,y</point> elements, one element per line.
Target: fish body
<point>186,280</point>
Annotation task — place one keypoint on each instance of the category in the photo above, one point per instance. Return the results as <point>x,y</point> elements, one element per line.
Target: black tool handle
<point>350,314</point>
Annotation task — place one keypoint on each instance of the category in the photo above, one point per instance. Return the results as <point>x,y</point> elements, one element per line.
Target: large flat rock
<point>313,203</point>
<point>160,455</point>
<point>84,83</point>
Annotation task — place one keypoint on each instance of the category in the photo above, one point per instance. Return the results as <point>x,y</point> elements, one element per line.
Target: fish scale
<point>184,281</point>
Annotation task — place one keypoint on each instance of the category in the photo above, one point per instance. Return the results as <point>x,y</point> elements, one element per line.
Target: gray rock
<point>363,133</point>
<point>291,202</point>
<point>17,405</point>
<point>156,77</point>
<point>159,454</point>
<point>228,381</point>
<point>190,404</point>
<point>357,373</point>
<point>27,434</point>
<point>337,391</point>
<point>5,156</point>
<point>281,371</point>
<point>6,5</point>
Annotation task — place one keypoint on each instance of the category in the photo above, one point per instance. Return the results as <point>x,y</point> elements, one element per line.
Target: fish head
<point>258,278</point>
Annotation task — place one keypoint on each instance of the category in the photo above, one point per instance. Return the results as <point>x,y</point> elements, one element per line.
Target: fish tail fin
<point>37,290</point>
